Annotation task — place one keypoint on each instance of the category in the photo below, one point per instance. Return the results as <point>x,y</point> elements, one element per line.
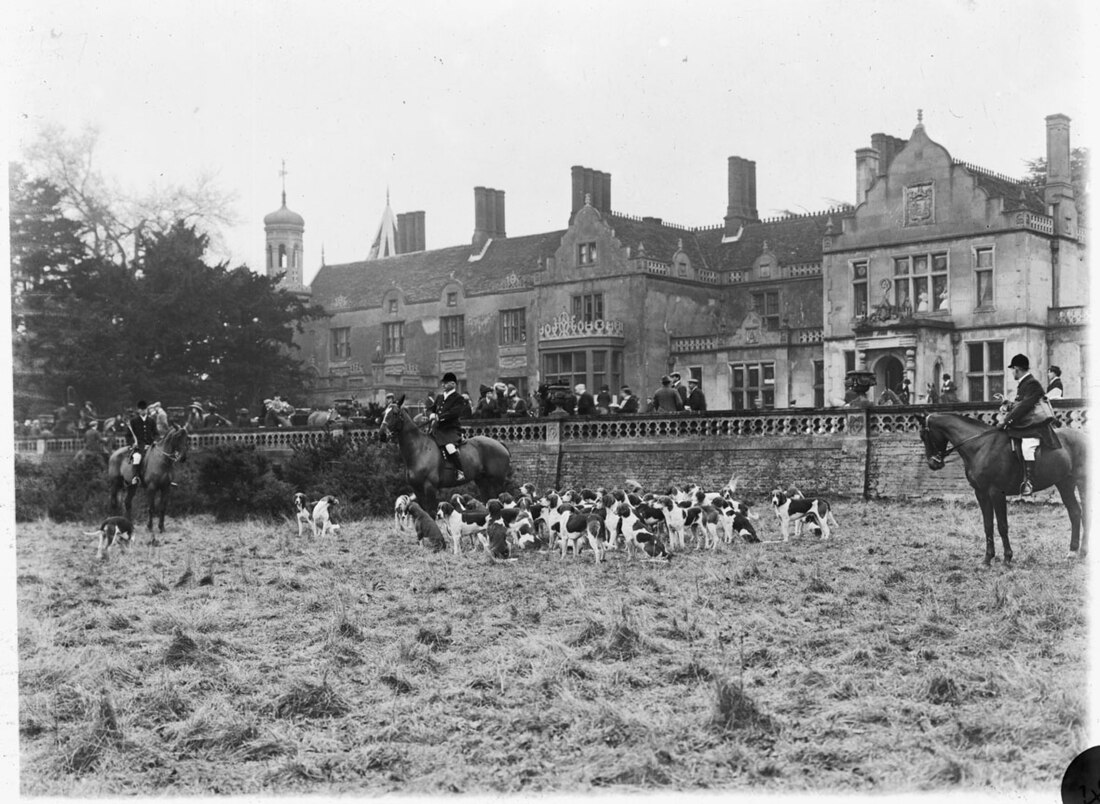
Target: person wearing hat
<point>143,428</point>
<point>678,386</point>
<point>445,421</point>
<point>667,399</point>
<point>1054,384</point>
<point>696,402</point>
<point>487,407</point>
<point>628,403</point>
<point>948,393</point>
<point>1029,392</point>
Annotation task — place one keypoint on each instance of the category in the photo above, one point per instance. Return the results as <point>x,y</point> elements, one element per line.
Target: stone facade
<point>940,267</point>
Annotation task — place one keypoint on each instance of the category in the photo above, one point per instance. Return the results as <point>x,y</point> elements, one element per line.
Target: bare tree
<point>112,222</point>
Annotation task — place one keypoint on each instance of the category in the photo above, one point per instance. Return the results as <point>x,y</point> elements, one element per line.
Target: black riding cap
<point>1020,362</point>
<point>450,377</point>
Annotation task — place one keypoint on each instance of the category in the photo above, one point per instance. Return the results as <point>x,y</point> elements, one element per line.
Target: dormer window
<point>392,307</point>
<point>452,298</point>
<point>586,253</point>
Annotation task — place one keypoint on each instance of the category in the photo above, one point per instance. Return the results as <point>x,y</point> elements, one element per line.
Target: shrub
<point>34,486</point>
<point>364,475</point>
<point>237,482</point>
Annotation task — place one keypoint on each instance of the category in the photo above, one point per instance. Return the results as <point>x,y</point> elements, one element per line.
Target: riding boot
<point>456,462</point>
<point>1025,487</point>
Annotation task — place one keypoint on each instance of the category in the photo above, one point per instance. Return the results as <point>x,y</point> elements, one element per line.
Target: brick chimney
<point>488,215</point>
<point>410,232</point>
<point>741,208</point>
<point>888,147</point>
<point>866,172</point>
<point>594,184</point>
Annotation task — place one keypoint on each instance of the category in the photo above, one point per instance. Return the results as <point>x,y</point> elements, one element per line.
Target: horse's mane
<point>172,437</point>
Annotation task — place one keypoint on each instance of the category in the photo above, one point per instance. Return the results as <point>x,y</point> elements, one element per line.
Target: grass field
<point>234,658</point>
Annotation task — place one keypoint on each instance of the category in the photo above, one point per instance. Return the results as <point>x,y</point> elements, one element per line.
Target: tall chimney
<point>498,219</point>
<point>741,208</point>
<point>1059,174</point>
<point>1058,191</point>
<point>410,232</point>
<point>606,192</point>
<point>578,190</point>
<point>866,172</point>
<point>482,226</point>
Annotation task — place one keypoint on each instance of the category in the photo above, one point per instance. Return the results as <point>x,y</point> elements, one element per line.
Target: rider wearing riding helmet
<point>445,417</point>
<point>1029,393</point>
<point>143,427</point>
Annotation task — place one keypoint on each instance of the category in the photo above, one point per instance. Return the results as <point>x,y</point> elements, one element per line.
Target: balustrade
<point>886,420</point>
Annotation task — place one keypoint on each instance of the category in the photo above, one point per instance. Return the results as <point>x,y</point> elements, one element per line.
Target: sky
<point>428,100</point>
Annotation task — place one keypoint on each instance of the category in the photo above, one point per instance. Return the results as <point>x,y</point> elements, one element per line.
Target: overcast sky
<point>433,99</point>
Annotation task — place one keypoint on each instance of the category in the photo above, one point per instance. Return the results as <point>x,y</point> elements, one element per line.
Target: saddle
<point>1044,431</point>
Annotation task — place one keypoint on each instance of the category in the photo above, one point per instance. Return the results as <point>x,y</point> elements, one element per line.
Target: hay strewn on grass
<point>877,662</point>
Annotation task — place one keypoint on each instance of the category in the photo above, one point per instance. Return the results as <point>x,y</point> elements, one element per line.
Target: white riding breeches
<point>451,449</point>
<point>1028,447</point>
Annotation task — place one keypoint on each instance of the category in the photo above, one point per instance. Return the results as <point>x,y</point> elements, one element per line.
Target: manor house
<point>940,267</point>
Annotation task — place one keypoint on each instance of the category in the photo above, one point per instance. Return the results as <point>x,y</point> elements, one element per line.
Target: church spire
<point>385,241</point>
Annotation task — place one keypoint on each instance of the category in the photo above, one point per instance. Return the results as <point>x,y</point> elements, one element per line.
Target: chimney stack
<point>595,184</point>
<point>1058,191</point>
<point>888,147</point>
<point>866,172</point>
<point>741,208</point>
<point>488,215</point>
<point>410,232</point>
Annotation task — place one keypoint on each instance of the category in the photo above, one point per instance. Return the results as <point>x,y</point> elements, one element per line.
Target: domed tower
<point>284,254</point>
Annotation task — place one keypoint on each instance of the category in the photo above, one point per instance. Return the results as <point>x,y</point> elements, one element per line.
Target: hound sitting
<point>303,512</point>
<point>427,531</point>
<point>799,510</point>
<point>111,530</point>
<point>322,516</point>
<point>401,516</point>
<point>459,523</point>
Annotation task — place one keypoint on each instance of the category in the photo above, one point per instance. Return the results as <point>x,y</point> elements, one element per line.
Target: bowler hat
<point>1020,362</point>
<point>693,381</point>
<point>450,377</point>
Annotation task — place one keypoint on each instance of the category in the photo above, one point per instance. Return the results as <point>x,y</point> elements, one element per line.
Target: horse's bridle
<point>940,456</point>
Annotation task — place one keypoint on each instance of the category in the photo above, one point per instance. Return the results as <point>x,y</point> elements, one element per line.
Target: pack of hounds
<point>648,524</point>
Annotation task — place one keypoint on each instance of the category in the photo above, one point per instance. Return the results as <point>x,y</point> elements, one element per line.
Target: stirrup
<point>1026,489</point>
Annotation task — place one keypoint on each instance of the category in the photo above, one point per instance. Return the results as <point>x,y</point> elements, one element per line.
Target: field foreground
<point>235,658</point>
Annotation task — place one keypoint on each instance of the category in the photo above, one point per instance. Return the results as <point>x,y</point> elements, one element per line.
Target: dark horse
<point>994,470</point>
<point>485,461</point>
<point>160,460</point>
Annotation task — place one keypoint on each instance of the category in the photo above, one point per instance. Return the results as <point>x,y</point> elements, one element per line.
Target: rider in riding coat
<point>144,429</point>
<point>1028,394</point>
<point>446,413</point>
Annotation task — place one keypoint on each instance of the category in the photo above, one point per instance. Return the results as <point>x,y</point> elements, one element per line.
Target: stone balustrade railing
<point>887,420</point>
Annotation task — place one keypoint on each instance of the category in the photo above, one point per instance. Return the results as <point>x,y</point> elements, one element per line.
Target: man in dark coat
<point>696,401</point>
<point>666,399</point>
<point>143,428</point>
<point>628,403</point>
<point>446,422</point>
<point>678,387</point>
<point>1028,394</point>
<point>586,405</point>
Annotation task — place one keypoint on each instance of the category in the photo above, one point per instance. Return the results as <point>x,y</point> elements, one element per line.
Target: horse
<point>485,461</point>
<point>160,460</point>
<point>324,418</point>
<point>994,470</point>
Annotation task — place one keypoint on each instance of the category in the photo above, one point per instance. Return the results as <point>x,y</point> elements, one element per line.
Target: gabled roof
<point>793,241</point>
<point>423,275</point>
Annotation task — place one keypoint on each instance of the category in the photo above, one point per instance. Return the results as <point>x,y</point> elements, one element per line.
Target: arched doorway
<point>889,372</point>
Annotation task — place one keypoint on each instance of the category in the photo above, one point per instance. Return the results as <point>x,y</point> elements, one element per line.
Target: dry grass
<point>235,659</point>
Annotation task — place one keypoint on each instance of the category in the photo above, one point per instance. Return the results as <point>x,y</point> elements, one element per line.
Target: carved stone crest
<point>920,204</point>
